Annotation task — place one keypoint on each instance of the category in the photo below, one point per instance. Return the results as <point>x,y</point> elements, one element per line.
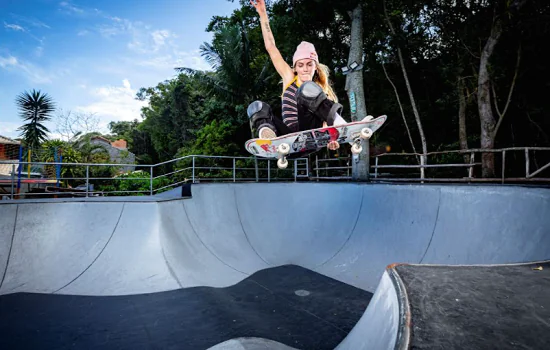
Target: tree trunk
<point>411,96</point>
<point>354,80</point>
<point>400,108</point>
<point>462,135</point>
<point>486,117</point>
<point>354,88</point>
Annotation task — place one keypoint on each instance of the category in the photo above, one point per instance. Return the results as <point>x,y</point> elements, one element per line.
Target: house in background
<point>9,150</point>
<point>118,152</point>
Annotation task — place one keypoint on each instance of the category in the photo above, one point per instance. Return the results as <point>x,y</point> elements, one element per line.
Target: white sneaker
<point>266,133</point>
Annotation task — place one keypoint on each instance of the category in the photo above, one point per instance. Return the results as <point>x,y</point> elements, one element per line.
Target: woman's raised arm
<point>280,64</point>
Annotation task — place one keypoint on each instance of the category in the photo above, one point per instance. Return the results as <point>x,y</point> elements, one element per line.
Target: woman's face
<point>305,69</point>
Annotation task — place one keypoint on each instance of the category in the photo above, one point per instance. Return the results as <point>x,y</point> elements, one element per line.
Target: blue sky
<point>93,56</point>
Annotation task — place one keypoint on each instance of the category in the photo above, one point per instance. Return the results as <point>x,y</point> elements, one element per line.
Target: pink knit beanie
<point>305,50</point>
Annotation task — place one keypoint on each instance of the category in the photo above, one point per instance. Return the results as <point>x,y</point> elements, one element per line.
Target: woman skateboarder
<point>308,101</point>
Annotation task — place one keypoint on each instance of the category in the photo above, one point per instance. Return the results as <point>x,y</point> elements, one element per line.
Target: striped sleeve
<point>290,108</point>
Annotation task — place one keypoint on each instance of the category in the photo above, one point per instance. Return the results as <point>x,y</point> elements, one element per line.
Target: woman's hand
<point>259,5</point>
<point>333,145</point>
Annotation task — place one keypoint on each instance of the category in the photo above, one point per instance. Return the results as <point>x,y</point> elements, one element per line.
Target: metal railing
<point>407,167</point>
<point>92,180</point>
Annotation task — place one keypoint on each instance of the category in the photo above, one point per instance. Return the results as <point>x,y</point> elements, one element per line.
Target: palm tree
<point>236,79</point>
<point>35,108</point>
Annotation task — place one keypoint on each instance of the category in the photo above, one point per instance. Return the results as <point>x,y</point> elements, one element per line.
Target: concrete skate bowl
<point>278,266</point>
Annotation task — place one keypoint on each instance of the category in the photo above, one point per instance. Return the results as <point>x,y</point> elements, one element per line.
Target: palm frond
<point>210,55</point>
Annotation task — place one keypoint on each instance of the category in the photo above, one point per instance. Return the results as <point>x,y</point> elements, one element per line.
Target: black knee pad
<point>312,97</point>
<point>260,115</point>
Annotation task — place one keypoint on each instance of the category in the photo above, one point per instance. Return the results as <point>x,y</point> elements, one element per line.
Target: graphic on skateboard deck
<point>314,139</point>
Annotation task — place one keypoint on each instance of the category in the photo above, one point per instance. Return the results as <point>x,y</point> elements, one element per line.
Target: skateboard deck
<point>315,139</point>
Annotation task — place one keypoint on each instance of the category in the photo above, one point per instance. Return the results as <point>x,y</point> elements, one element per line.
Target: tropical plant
<point>35,108</point>
<point>239,78</point>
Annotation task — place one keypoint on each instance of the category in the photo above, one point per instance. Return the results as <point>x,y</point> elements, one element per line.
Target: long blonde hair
<point>321,78</point>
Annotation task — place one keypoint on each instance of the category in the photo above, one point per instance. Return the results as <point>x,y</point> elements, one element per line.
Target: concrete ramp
<point>345,234</point>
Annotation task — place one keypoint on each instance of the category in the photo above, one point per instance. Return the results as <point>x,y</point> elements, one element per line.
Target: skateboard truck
<point>283,149</point>
<point>356,147</point>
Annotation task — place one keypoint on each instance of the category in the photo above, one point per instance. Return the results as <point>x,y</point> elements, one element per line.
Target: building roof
<point>7,140</point>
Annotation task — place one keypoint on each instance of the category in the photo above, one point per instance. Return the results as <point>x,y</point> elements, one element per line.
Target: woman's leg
<point>263,123</point>
<point>314,107</point>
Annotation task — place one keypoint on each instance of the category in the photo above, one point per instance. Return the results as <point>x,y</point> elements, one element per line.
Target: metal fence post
<point>367,154</point>
<point>87,180</point>
<point>193,171</point>
<point>12,180</point>
<point>295,170</point>
<point>423,161</point>
<point>471,167</point>
<point>151,183</point>
<point>526,162</point>
<point>317,166</point>
<point>503,164</point>
<point>376,167</point>
<point>256,166</point>
<point>234,170</point>
<point>268,170</point>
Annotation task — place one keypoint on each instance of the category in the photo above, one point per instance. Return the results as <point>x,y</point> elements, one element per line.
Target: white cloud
<point>18,28</point>
<point>8,61</point>
<point>114,103</point>
<point>159,38</point>
<point>70,7</point>
<point>82,32</point>
<point>9,129</point>
<point>32,21</point>
<point>39,51</point>
<point>177,59</point>
<point>15,27</point>
<point>32,73</point>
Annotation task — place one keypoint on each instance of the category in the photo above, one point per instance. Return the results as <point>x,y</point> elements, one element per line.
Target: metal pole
<point>367,154</point>
<point>268,170</point>
<point>376,165</point>
<point>423,160</point>
<point>193,171</point>
<point>234,170</point>
<point>471,169</point>
<point>295,169</point>
<point>256,165</point>
<point>526,162</point>
<point>151,182</point>
<point>317,167</point>
<point>12,180</point>
<point>503,164</point>
<point>87,180</point>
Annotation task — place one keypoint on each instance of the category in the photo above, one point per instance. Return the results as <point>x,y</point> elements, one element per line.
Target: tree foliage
<point>440,41</point>
<point>35,108</point>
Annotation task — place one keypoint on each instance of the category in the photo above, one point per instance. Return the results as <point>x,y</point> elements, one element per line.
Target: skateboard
<point>313,140</point>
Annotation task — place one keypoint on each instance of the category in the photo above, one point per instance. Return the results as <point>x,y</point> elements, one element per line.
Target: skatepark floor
<point>479,307</point>
<point>279,266</point>
<point>288,304</point>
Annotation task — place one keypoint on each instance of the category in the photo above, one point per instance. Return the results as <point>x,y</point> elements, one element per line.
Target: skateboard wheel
<point>356,148</point>
<point>366,133</point>
<point>282,163</point>
<point>283,149</point>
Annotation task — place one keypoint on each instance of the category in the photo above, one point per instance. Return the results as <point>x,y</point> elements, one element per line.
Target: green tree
<point>35,108</point>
